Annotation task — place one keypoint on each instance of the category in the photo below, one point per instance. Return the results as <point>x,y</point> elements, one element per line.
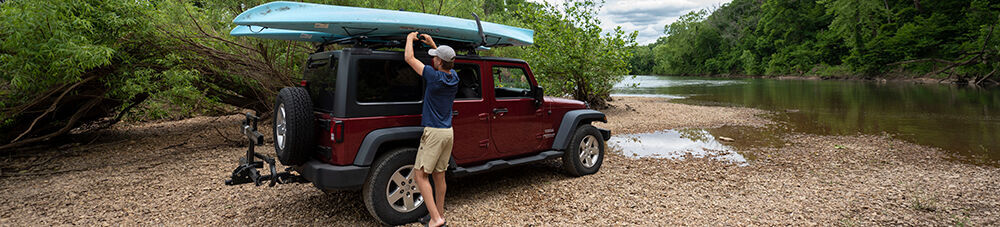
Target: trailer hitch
<point>247,171</point>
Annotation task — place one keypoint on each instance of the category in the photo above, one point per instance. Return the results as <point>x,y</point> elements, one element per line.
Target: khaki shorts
<point>435,149</point>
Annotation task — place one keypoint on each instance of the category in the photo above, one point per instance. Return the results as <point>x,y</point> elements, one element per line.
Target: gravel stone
<point>172,173</point>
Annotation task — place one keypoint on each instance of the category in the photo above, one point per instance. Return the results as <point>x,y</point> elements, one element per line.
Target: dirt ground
<point>172,173</point>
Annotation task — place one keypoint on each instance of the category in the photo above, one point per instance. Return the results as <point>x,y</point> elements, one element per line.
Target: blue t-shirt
<point>438,97</point>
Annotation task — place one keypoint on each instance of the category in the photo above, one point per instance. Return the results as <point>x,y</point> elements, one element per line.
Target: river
<point>965,121</point>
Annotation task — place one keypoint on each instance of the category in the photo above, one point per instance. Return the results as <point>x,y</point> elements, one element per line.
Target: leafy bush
<point>572,55</point>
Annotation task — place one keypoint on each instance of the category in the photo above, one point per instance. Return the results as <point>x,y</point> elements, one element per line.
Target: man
<point>438,137</point>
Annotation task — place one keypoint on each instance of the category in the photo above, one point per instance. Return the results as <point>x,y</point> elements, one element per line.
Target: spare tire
<point>293,126</point>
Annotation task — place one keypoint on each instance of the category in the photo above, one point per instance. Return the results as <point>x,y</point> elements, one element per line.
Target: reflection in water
<point>962,120</point>
<point>676,144</point>
<point>650,95</point>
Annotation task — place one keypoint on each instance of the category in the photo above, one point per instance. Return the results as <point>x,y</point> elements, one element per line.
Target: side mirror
<point>539,94</point>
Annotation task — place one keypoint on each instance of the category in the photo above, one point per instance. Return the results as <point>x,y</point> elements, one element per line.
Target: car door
<point>517,121</point>
<point>470,115</point>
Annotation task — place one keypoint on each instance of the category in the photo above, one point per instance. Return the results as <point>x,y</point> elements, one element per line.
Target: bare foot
<point>436,222</point>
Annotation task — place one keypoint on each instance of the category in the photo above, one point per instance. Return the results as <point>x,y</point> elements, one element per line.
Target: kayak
<point>311,36</point>
<point>293,21</point>
<point>282,34</point>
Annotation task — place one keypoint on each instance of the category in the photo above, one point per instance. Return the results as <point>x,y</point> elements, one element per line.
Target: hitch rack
<point>247,171</point>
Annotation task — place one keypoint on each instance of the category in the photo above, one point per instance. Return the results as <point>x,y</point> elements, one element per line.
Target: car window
<point>510,82</point>
<point>469,81</point>
<point>383,80</point>
<point>322,76</point>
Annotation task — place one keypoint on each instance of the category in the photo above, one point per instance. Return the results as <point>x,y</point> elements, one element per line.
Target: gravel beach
<point>172,173</point>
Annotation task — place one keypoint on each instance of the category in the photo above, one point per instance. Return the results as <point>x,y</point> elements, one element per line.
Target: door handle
<point>454,113</point>
<point>499,112</point>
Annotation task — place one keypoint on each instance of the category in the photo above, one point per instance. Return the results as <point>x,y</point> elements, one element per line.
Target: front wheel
<point>390,192</point>
<point>585,153</point>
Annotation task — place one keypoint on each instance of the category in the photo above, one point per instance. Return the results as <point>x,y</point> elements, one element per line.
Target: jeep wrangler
<point>354,124</point>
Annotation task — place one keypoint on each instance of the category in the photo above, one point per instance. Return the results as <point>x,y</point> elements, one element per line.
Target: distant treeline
<point>832,38</point>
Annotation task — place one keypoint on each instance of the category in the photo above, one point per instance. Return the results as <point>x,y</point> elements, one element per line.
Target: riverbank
<point>172,172</point>
<point>900,79</point>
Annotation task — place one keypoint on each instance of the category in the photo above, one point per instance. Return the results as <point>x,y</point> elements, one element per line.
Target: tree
<point>844,38</point>
<point>572,54</point>
<point>74,63</point>
<point>69,63</point>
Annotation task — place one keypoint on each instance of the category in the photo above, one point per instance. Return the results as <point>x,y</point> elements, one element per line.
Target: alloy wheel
<point>589,151</point>
<point>280,127</point>
<point>401,191</point>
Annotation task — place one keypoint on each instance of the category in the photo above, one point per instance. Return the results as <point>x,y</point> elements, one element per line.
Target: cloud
<point>648,17</point>
<point>645,12</point>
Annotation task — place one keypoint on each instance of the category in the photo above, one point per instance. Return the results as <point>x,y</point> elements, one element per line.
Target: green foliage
<point>46,45</point>
<point>572,55</point>
<point>175,58</point>
<point>642,60</point>
<point>864,37</point>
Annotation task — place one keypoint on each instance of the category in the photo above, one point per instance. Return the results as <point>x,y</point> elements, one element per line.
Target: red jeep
<point>354,123</point>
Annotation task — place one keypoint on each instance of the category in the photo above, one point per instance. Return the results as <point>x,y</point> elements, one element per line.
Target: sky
<point>645,16</point>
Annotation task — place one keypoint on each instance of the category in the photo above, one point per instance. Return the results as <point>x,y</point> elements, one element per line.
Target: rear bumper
<point>330,177</point>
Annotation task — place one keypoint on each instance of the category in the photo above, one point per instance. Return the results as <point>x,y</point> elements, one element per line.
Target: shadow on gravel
<point>346,207</point>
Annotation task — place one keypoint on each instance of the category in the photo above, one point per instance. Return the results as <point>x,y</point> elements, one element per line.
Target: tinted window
<point>469,84</point>
<point>321,75</point>
<point>381,80</point>
<point>510,81</point>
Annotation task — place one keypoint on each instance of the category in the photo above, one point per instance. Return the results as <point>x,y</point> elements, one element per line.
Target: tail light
<point>304,83</point>
<point>336,131</point>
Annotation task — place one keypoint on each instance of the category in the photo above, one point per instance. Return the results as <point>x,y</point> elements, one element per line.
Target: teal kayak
<point>282,34</point>
<point>294,21</point>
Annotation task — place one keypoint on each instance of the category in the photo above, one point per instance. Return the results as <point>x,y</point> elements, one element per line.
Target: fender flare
<point>567,127</point>
<point>370,145</point>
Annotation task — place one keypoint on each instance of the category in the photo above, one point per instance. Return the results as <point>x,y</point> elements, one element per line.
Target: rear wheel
<point>585,153</point>
<point>293,126</point>
<point>390,192</point>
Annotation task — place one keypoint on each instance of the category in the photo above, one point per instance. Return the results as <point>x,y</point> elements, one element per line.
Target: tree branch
<point>53,106</point>
<point>69,125</point>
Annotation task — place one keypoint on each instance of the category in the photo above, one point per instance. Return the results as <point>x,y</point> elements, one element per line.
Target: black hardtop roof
<point>420,53</point>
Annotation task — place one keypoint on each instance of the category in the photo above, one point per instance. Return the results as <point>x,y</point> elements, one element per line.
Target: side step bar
<point>500,164</point>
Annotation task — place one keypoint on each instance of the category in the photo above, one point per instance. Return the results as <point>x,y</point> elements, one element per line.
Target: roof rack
<point>362,40</point>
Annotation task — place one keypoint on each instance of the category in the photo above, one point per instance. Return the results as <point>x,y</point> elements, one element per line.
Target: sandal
<point>425,220</point>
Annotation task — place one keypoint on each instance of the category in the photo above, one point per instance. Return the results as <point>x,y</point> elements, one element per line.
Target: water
<point>677,145</point>
<point>962,120</point>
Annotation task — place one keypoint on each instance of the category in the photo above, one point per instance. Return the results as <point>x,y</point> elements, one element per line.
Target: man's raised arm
<point>429,41</point>
<point>408,54</point>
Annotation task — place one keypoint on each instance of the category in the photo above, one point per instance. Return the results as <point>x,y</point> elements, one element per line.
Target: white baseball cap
<point>444,52</point>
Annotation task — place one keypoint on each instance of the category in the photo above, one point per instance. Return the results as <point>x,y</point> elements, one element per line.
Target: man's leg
<point>439,189</point>
<point>425,190</point>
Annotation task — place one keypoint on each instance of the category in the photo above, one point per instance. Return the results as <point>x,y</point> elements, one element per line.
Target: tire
<point>585,152</point>
<point>380,184</point>
<point>293,126</point>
